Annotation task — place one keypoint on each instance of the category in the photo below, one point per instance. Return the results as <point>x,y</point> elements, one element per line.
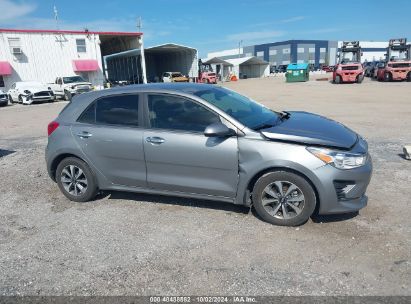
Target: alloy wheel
<point>283,200</point>
<point>74,180</point>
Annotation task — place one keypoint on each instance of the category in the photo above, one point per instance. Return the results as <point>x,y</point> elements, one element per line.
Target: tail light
<point>52,127</point>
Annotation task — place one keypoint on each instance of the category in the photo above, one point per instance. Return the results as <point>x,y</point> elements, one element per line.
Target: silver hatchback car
<point>207,142</point>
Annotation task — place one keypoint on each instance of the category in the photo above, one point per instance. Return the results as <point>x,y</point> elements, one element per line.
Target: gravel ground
<point>133,244</point>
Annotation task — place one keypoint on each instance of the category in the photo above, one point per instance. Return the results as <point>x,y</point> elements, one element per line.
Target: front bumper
<point>342,191</point>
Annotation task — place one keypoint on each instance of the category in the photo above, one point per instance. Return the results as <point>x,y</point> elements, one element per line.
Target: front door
<point>179,157</point>
<point>109,135</point>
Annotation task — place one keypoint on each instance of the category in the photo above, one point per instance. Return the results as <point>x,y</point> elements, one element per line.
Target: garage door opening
<point>170,58</point>
<point>250,67</point>
<point>122,60</point>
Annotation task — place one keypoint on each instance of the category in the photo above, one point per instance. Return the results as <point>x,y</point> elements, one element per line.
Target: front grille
<point>400,65</point>
<point>42,94</point>
<point>342,188</point>
<point>350,68</point>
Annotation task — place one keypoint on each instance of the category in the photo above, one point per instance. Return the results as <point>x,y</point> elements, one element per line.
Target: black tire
<point>409,77</point>
<point>91,189</point>
<point>387,77</point>
<point>11,100</point>
<point>308,203</point>
<point>360,78</point>
<point>337,79</point>
<point>67,95</point>
<point>20,99</point>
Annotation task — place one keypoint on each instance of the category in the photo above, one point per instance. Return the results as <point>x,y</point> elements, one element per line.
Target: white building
<point>43,55</point>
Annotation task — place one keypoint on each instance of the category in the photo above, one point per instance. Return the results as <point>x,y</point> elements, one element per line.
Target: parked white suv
<point>28,92</point>
<point>67,87</point>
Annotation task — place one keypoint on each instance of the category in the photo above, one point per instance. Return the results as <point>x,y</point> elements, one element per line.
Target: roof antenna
<point>139,24</point>
<point>56,16</point>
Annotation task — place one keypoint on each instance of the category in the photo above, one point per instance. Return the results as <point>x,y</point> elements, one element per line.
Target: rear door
<point>109,134</point>
<point>179,157</point>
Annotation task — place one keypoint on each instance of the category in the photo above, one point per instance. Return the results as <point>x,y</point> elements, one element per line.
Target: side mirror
<point>218,129</point>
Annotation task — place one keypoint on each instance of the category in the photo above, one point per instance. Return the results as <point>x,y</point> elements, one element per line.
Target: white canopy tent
<point>170,57</point>
<point>220,66</point>
<point>250,67</point>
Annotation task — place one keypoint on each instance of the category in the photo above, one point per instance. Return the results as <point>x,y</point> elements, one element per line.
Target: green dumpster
<point>297,72</point>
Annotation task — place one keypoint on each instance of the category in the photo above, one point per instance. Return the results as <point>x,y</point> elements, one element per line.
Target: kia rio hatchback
<point>207,142</point>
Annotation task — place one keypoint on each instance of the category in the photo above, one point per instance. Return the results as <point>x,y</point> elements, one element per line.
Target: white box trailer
<point>170,57</point>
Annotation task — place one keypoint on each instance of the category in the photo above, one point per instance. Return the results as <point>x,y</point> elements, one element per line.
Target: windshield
<point>246,111</point>
<point>73,79</point>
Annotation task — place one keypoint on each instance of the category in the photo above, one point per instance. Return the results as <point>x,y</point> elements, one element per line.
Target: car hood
<point>311,129</point>
<point>79,83</point>
<point>33,89</point>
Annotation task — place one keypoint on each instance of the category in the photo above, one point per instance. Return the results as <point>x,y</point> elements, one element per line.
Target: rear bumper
<point>399,75</point>
<point>349,76</point>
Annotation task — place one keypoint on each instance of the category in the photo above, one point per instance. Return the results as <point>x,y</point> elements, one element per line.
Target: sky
<point>215,25</point>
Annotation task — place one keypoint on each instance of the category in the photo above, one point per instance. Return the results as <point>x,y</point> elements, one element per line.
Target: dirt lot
<point>131,244</point>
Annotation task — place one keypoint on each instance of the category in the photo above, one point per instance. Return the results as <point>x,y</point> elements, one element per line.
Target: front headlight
<point>339,159</point>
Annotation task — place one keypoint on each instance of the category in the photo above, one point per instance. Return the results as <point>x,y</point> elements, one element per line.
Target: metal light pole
<point>239,48</point>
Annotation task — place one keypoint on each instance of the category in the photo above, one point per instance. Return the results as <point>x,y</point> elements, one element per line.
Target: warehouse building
<point>43,55</point>
<point>313,52</point>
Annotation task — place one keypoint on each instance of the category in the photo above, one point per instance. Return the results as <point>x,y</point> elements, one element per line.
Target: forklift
<point>398,62</point>
<point>349,68</point>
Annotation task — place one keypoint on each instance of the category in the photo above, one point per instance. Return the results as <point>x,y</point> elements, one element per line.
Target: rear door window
<point>120,110</point>
<point>178,113</point>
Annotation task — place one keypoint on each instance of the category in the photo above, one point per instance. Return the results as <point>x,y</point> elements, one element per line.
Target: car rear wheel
<point>360,78</point>
<point>75,180</point>
<point>11,99</point>
<point>409,77</point>
<point>283,198</point>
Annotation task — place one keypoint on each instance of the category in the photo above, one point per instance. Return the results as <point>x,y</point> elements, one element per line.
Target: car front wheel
<point>283,198</point>
<point>75,180</point>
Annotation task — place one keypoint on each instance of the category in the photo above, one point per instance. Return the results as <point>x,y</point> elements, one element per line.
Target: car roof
<point>188,88</point>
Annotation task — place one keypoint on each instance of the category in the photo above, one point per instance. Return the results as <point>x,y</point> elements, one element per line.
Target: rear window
<point>121,110</point>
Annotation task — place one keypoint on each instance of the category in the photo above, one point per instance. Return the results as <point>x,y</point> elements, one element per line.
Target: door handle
<point>155,140</point>
<point>84,134</point>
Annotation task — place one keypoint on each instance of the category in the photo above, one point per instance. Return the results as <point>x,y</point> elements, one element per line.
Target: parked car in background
<point>369,68</point>
<point>67,87</point>
<point>281,68</point>
<point>28,92</point>
<point>174,77</point>
<point>207,142</point>
<point>327,68</point>
<point>378,69</point>
<point>4,99</point>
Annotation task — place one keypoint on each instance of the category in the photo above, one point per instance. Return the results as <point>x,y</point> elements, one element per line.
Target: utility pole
<point>143,58</point>
<point>239,48</point>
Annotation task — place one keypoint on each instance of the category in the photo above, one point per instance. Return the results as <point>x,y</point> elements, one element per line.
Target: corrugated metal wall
<point>46,56</point>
